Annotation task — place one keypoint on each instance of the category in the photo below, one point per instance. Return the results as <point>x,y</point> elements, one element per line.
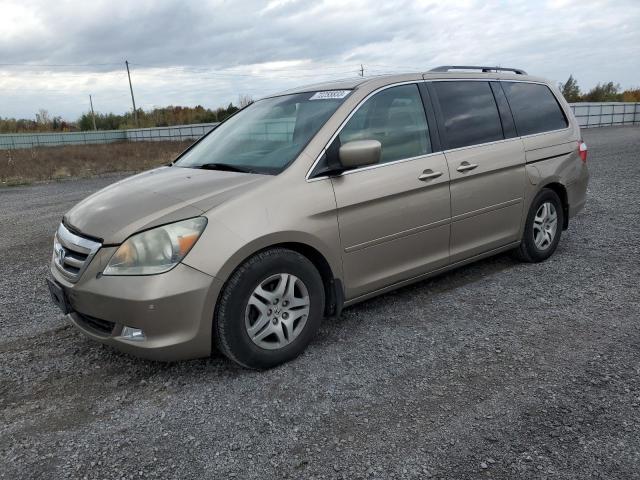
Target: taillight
<point>582,151</point>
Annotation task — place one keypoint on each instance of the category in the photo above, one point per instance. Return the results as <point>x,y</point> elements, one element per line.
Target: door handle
<point>428,175</point>
<point>466,166</point>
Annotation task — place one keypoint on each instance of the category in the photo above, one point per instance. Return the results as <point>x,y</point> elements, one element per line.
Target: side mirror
<point>360,153</point>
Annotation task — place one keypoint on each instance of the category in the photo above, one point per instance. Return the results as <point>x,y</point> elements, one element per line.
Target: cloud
<point>208,52</point>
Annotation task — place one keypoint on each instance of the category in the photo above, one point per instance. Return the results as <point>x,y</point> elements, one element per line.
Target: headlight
<point>157,250</point>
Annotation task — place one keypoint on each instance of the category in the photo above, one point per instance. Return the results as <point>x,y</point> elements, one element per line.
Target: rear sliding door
<point>486,165</point>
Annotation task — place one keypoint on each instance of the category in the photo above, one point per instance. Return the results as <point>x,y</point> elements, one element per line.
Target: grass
<point>25,166</point>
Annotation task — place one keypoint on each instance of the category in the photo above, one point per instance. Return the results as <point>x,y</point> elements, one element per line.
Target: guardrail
<point>588,115</point>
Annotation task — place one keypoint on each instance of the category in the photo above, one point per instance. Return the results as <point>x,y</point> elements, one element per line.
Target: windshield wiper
<point>225,167</point>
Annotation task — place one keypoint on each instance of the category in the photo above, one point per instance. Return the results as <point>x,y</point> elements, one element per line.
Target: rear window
<point>469,113</point>
<point>535,109</point>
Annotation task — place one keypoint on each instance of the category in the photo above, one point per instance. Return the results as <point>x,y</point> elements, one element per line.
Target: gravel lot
<point>498,369</point>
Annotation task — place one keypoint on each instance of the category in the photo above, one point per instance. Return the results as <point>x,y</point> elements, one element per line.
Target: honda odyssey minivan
<point>315,199</point>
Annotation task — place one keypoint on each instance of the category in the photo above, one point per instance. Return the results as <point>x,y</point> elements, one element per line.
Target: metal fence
<point>158,134</point>
<point>177,132</point>
<point>587,114</point>
<point>606,114</point>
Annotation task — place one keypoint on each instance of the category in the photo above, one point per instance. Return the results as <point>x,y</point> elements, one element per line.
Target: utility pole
<point>361,70</point>
<point>93,115</point>
<point>133,100</point>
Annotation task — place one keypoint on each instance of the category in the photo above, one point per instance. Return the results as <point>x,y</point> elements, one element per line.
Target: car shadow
<point>140,369</point>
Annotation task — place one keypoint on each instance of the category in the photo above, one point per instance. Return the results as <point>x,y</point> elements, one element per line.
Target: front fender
<point>231,253</point>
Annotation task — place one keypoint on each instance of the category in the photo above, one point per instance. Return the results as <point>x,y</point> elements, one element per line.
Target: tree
<point>570,89</point>
<point>244,100</point>
<point>607,92</point>
<point>631,95</point>
<point>42,118</point>
<point>158,117</point>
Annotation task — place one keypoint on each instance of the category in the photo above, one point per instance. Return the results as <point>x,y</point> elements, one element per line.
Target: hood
<point>156,197</point>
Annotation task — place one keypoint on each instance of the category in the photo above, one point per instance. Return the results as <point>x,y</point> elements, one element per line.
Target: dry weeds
<point>23,166</point>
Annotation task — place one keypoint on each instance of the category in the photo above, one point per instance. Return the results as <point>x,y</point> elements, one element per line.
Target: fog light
<point>134,334</point>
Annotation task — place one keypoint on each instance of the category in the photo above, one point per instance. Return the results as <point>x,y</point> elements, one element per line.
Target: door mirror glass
<point>360,153</point>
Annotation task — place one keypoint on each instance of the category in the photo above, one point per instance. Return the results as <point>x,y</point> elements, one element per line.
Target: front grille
<point>97,324</point>
<point>72,253</point>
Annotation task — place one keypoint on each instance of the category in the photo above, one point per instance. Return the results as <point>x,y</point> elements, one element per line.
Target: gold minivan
<point>313,200</point>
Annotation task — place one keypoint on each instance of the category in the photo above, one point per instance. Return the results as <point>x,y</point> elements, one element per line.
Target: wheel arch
<point>333,287</point>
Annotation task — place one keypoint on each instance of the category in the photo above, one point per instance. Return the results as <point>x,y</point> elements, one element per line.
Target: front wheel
<point>269,309</point>
<point>543,228</point>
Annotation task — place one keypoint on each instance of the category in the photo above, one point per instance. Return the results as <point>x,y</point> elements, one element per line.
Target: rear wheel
<point>543,228</point>
<point>269,309</point>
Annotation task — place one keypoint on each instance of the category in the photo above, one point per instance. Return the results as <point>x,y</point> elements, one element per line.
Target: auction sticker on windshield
<point>330,95</point>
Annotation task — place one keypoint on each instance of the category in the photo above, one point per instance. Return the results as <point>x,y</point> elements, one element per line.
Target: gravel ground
<point>498,369</point>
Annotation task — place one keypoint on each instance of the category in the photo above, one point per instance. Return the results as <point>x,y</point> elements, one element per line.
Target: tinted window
<point>535,109</point>
<point>396,118</point>
<point>267,135</point>
<point>470,113</point>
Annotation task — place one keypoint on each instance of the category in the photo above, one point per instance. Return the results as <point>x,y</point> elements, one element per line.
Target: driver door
<point>394,217</point>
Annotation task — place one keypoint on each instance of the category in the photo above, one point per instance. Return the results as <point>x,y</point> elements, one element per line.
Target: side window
<point>395,117</point>
<point>469,113</point>
<point>535,109</point>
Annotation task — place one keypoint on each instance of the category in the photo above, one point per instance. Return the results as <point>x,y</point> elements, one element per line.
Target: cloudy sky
<point>53,54</point>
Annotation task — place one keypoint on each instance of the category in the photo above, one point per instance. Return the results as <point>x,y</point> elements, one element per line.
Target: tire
<point>261,319</point>
<point>535,245</point>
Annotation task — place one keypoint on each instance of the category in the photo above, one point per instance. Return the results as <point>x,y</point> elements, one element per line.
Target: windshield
<point>266,136</point>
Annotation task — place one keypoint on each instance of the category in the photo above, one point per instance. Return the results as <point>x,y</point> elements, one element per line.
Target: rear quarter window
<point>534,108</point>
<point>469,113</point>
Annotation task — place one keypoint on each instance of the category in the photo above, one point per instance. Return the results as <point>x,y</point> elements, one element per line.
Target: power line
<point>200,74</point>
<point>303,67</point>
<point>306,71</point>
<point>264,74</point>
<point>312,67</point>
<point>36,75</point>
<point>56,65</point>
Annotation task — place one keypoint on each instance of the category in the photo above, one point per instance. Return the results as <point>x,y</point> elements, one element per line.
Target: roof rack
<point>446,68</point>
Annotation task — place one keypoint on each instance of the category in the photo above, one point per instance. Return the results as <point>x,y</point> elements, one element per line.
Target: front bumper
<point>174,309</point>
